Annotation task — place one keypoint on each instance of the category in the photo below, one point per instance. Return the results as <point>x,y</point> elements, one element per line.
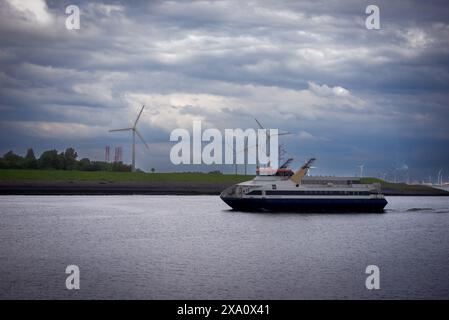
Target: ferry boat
<point>286,191</point>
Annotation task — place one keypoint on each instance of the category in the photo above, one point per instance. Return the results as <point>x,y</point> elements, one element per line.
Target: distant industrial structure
<point>107,153</point>
<point>118,154</point>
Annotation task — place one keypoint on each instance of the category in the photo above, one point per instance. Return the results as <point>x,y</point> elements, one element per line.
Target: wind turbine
<point>361,170</point>
<point>268,138</point>
<point>440,177</point>
<point>134,131</point>
<point>310,170</point>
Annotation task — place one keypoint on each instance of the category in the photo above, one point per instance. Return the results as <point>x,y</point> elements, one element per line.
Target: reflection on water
<point>187,247</point>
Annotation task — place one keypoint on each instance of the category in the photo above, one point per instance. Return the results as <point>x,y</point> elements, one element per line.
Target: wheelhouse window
<point>255,193</point>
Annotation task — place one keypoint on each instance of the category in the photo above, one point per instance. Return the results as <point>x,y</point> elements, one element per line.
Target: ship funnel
<point>301,172</point>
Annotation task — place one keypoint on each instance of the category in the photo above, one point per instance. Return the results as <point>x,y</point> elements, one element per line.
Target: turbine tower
<point>245,150</point>
<point>134,131</point>
<point>361,170</point>
<point>310,170</point>
<point>440,177</point>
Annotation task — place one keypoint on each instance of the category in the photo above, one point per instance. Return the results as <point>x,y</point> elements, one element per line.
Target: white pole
<point>133,165</point>
<point>245,152</point>
<point>257,156</point>
<point>235,160</point>
<point>267,131</point>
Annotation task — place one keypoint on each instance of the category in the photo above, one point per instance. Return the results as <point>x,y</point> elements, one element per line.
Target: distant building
<point>107,153</point>
<point>118,154</point>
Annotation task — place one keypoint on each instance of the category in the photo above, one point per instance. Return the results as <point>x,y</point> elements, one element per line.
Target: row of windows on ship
<point>309,192</point>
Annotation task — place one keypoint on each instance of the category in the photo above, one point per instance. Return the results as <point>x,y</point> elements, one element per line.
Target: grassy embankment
<point>402,188</point>
<point>61,175</point>
<point>192,180</point>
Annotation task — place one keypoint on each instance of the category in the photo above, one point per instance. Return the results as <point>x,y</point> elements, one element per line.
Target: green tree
<point>121,167</point>
<point>70,156</point>
<point>30,162</point>
<point>152,170</point>
<point>61,161</point>
<point>84,164</point>
<point>49,160</point>
<point>12,160</point>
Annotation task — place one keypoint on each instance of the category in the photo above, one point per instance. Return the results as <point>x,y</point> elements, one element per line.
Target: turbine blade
<point>141,139</point>
<point>280,134</point>
<point>259,123</point>
<point>124,129</point>
<point>140,113</point>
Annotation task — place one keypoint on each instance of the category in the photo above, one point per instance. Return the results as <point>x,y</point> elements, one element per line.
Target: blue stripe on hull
<point>307,205</point>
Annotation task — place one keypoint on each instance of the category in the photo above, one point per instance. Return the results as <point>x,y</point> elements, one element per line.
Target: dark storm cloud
<point>310,67</point>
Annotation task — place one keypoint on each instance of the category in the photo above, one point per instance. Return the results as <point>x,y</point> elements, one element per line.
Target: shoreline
<point>110,188</point>
<point>152,188</point>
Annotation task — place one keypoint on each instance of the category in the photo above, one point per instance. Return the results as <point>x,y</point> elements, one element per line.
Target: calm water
<point>169,247</point>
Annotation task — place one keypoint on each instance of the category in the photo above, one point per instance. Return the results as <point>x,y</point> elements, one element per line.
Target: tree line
<point>51,159</point>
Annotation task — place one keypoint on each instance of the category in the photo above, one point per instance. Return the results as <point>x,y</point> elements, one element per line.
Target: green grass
<point>400,186</point>
<point>386,184</point>
<point>382,182</point>
<point>61,175</point>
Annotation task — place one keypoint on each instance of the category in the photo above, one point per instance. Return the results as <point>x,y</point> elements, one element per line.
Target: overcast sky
<point>348,94</point>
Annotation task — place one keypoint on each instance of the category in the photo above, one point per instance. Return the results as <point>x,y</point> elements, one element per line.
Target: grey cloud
<point>305,66</point>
